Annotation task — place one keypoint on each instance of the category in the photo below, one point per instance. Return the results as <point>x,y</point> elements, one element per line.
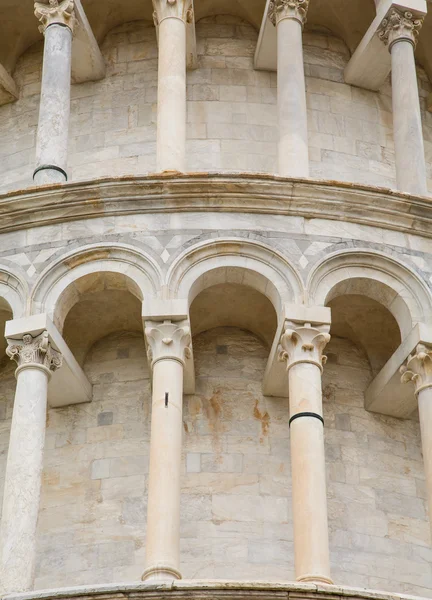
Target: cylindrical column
<point>418,369</point>
<point>168,345</point>
<point>53,127</point>
<point>293,152</point>
<point>400,31</point>
<point>23,477</point>
<point>425,413</point>
<point>171,107</point>
<point>302,348</point>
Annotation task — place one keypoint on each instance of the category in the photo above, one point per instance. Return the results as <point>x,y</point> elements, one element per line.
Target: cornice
<point>215,192</point>
<point>214,590</point>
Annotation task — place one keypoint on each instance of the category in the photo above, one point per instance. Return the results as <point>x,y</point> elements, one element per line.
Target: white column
<point>36,361</point>
<point>168,349</point>
<point>170,19</point>
<point>302,348</point>
<point>400,30</point>
<point>57,23</point>
<point>293,152</point>
<point>418,369</point>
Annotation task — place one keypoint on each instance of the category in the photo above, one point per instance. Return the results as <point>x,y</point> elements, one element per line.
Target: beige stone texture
<point>232,116</point>
<point>236,486</point>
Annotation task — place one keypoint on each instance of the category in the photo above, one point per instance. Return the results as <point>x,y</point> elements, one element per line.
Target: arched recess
<point>13,292</point>
<point>58,288</point>
<point>13,300</point>
<point>237,261</point>
<point>234,283</point>
<point>377,276</point>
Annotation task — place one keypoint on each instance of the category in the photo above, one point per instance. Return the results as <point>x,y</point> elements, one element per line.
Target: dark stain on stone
<point>263,417</point>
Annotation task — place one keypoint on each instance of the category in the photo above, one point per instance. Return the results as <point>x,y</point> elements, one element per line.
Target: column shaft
<point>407,124</point>
<point>171,112</point>
<point>23,481</point>
<point>425,412</point>
<point>54,112</point>
<point>309,496</point>
<point>293,153</point>
<point>163,514</point>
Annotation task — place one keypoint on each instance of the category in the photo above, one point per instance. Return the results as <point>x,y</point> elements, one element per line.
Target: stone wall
<point>232,117</point>
<point>236,509</point>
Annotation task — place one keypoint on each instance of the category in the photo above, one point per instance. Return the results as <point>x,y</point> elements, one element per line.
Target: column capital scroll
<point>55,12</point>
<point>168,340</point>
<point>288,9</point>
<point>177,9</point>
<point>400,25</point>
<point>304,343</point>
<point>418,368</point>
<point>34,351</point>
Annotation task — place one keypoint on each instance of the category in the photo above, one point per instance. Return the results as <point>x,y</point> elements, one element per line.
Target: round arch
<point>13,291</point>
<point>377,276</point>
<point>239,261</point>
<point>57,289</point>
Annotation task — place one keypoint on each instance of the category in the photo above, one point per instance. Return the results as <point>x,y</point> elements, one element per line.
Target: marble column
<point>418,369</point>
<point>57,22</point>
<point>36,361</point>
<point>399,31</point>
<point>170,18</point>
<point>293,152</point>
<point>301,346</point>
<point>168,349</point>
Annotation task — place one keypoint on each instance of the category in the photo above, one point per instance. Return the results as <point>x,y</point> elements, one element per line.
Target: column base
<point>160,572</point>
<point>314,579</point>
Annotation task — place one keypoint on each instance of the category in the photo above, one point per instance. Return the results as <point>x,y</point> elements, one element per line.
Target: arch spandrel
<point>61,284</point>
<point>382,278</point>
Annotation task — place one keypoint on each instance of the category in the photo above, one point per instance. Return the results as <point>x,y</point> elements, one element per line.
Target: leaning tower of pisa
<point>215,299</point>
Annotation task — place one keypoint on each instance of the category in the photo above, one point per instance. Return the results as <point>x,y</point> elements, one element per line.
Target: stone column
<point>57,22</point>
<point>36,361</point>
<point>302,348</point>
<point>293,154</point>
<point>418,369</point>
<point>399,31</point>
<point>168,349</point>
<point>170,18</point>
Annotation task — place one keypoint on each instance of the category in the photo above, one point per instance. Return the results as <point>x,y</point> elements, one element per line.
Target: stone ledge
<point>216,192</point>
<point>201,589</point>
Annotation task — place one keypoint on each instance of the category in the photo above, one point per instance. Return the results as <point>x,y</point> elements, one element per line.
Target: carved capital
<point>400,25</point>
<point>418,368</point>
<point>288,9</point>
<point>179,9</point>
<point>34,351</point>
<point>55,11</point>
<point>168,340</point>
<point>304,344</point>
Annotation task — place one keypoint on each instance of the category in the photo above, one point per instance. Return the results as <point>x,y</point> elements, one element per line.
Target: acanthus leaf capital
<point>34,351</point>
<point>400,25</point>
<point>55,12</point>
<point>288,9</point>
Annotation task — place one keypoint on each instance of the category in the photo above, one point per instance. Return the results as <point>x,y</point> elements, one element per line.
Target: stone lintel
<point>370,64</point>
<point>87,60</point>
<point>386,394</point>
<point>8,89</point>
<point>174,310</point>
<point>275,382</point>
<point>69,384</point>
<point>266,50</point>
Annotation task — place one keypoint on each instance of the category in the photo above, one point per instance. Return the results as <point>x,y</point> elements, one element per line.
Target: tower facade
<point>216,298</point>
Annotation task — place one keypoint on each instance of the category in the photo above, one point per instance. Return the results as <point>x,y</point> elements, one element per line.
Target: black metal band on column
<point>306,414</point>
<point>52,168</point>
